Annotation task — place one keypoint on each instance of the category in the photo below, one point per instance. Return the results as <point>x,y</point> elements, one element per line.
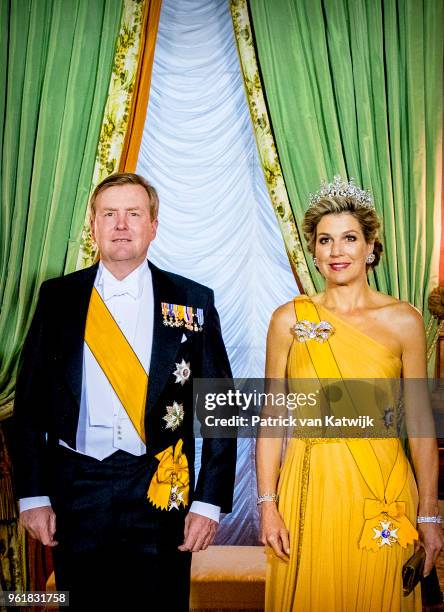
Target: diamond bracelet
<point>267,497</point>
<point>429,519</point>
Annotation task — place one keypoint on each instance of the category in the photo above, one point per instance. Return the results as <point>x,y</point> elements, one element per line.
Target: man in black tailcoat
<point>110,489</point>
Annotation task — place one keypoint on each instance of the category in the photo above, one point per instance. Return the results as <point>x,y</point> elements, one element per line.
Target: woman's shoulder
<point>284,311</point>
<point>399,314</point>
<point>284,317</point>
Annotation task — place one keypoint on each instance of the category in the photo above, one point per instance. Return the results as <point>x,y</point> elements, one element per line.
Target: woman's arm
<point>420,429</point>
<point>268,450</point>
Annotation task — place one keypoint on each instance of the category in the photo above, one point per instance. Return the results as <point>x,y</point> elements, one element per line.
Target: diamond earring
<point>370,258</point>
<point>315,261</point>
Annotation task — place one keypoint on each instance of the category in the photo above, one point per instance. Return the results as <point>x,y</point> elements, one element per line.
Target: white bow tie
<point>129,285</point>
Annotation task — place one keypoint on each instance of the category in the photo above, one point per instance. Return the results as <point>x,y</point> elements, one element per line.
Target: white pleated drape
<point>216,223</point>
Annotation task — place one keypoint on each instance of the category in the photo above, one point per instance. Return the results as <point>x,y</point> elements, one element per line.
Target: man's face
<point>122,227</point>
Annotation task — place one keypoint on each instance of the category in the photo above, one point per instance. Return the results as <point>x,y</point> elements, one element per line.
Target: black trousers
<point>111,550</point>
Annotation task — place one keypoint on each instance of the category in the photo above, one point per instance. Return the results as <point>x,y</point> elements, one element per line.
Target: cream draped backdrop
<point>216,222</point>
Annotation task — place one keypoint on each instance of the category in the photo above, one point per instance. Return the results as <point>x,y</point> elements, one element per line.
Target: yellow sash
<point>118,361</point>
<point>169,486</point>
<point>383,506</point>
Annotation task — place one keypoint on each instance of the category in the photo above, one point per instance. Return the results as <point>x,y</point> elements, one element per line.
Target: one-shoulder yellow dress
<point>334,492</point>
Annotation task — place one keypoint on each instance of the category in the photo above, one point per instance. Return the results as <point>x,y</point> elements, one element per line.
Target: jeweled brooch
<point>174,416</point>
<point>182,372</point>
<point>387,535</point>
<point>309,330</point>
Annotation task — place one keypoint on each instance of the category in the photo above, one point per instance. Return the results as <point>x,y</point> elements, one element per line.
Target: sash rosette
<point>377,513</point>
<point>170,485</point>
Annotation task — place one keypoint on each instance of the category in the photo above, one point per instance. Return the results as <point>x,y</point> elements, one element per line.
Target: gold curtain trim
<point>266,146</point>
<point>141,94</point>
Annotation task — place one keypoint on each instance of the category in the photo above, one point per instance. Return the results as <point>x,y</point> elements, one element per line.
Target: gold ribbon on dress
<point>385,502</point>
<point>170,485</point>
<point>376,512</point>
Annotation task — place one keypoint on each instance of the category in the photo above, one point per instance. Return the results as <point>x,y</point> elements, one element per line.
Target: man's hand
<point>199,532</point>
<point>40,523</point>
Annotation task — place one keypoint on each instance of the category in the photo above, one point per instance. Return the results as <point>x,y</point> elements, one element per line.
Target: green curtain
<point>56,58</point>
<point>355,87</point>
<point>266,145</point>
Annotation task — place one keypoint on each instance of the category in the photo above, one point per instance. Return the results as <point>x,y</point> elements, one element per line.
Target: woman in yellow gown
<point>338,515</point>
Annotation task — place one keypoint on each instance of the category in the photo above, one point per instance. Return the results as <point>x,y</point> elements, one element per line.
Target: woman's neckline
<point>356,329</point>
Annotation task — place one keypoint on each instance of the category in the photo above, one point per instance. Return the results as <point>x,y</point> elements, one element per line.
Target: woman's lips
<point>339,266</point>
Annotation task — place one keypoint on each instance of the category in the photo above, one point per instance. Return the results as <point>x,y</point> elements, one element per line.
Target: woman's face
<point>341,249</point>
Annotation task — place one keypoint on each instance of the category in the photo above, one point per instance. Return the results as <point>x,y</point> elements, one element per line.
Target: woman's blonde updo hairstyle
<point>335,205</point>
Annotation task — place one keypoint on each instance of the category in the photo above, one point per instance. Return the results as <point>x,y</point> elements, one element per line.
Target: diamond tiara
<point>345,189</point>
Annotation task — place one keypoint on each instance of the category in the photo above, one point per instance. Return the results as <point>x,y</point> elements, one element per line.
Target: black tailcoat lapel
<point>77,301</point>
<point>166,340</point>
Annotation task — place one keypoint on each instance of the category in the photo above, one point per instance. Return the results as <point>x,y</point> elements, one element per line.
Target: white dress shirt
<point>104,425</point>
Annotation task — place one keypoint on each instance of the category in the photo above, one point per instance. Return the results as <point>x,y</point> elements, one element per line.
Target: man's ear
<point>93,236</point>
<point>155,225</point>
<point>91,227</point>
